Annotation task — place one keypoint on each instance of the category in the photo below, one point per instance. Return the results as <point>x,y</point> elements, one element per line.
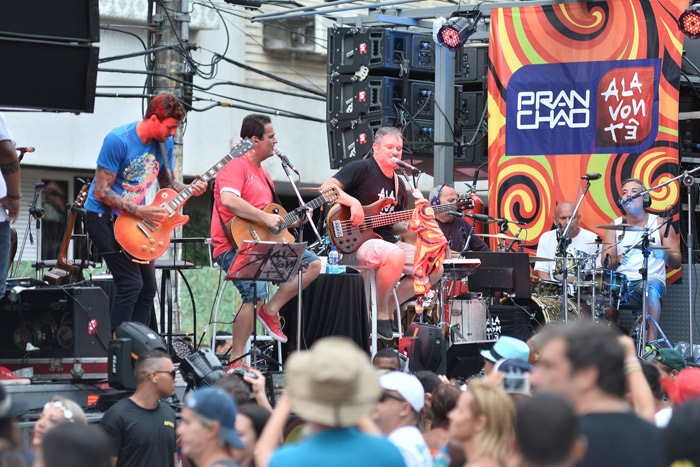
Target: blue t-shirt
<point>346,447</point>
<point>136,165</point>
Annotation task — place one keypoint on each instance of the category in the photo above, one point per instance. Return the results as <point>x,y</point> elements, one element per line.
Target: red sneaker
<point>8,378</point>
<point>272,323</point>
<point>241,363</point>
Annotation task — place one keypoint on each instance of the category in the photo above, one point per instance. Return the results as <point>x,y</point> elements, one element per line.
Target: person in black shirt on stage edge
<point>456,230</point>
<point>141,428</point>
<point>361,183</point>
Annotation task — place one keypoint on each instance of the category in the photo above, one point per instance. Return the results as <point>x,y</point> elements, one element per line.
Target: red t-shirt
<point>242,178</point>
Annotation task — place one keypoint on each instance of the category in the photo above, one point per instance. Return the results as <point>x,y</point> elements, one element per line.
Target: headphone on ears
<point>435,199</point>
<point>646,197</point>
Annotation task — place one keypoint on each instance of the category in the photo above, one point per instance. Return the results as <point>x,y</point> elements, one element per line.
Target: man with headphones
<point>140,428</point>
<point>621,254</point>
<point>456,230</point>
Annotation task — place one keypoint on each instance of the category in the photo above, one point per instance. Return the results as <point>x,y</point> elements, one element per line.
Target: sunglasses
<point>386,395</point>
<point>172,373</point>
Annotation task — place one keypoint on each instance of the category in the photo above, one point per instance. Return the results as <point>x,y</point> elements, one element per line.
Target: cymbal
<point>500,236</point>
<point>630,228</point>
<point>534,259</point>
<point>652,247</point>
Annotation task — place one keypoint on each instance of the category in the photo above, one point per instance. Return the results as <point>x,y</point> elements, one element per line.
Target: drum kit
<point>591,292</point>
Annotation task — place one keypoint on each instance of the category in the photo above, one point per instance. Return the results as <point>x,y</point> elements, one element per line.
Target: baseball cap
<point>217,404</point>
<point>686,386</point>
<point>407,385</point>
<point>507,347</point>
<point>671,358</point>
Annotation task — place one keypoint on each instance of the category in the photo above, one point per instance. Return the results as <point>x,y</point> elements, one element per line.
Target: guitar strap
<point>223,226</point>
<point>166,160</point>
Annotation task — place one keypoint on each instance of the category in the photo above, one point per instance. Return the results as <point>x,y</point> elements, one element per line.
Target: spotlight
<point>456,30</point>
<point>689,22</point>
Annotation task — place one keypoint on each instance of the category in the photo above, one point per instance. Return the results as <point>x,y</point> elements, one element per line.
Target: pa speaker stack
<point>47,56</point>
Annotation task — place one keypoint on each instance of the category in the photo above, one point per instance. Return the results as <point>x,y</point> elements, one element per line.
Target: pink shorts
<point>374,252</point>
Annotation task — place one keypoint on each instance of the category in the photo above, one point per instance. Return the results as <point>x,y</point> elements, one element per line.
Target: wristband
<point>632,368</point>
<point>14,197</point>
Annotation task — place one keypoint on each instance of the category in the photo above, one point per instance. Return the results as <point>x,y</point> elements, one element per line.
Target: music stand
<point>508,273</point>
<point>267,262</point>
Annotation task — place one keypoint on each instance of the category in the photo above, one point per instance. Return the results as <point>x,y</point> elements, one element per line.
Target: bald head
<point>562,214</point>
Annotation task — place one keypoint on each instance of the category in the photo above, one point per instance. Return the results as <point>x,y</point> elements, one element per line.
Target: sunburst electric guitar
<point>348,238</point>
<point>147,242</point>
<point>67,271</point>
<point>240,229</point>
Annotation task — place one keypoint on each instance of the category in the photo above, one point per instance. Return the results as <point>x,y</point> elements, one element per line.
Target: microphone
<point>454,213</point>
<point>403,164</point>
<point>26,149</point>
<point>591,176</point>
<point>285,160</point>
<point>668,226</point>
<point>480,217</point>
<point>626,202</point>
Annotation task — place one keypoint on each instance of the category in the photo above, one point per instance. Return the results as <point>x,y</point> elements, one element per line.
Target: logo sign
<point>363,138</point>
<point>92,326</point>
<point>363,47</point>
<point>583,108</point>
<point>362,96</point>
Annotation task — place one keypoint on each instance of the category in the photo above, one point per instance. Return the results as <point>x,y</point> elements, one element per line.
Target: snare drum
<point>468,318</point>
<point>579,264</point>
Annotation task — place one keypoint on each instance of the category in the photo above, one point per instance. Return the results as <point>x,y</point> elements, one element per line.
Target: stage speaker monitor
<point>65,20</point>
<point>464,360</point>
<point>47,75</point>
<point>130,341</point>
<point>426,348</point>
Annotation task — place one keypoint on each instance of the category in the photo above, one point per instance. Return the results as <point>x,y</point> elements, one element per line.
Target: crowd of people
<point>576,395</point>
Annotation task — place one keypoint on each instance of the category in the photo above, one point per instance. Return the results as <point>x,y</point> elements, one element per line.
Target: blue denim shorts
<point>225,260</point>
<point>637,292</point>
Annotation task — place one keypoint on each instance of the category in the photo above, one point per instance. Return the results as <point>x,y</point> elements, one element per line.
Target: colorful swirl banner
<point>579,88</point>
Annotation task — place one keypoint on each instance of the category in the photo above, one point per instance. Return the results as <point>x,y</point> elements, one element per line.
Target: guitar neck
<point>291,218</point>
<point>62,260</point>
<point>381,220</point>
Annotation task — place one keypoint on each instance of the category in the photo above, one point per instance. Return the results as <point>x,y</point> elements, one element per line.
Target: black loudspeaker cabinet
<point>425,347</point>
<point>64,20</point>
<point>511,321</point>
<point>472,64</point>
<point>464,359</point>
<point>380,51</point>
<point>68,322</point>
<point>70,68</point>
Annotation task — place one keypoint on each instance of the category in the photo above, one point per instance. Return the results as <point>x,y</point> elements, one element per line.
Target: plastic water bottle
<point>442,458</point>
<point>332,261</point>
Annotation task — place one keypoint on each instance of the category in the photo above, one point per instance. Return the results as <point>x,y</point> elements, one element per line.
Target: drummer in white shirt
<point>582,240</point>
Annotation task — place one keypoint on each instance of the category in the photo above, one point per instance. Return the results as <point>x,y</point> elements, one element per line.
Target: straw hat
<point>333,383</point>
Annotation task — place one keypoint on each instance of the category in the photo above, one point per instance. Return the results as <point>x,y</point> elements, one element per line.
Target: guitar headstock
<point>82,196</point>
<point>330,194</point>
<point>241,148</point>
<point>464,201</point>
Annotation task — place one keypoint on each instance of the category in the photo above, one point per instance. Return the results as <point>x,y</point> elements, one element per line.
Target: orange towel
<point>430,245</point>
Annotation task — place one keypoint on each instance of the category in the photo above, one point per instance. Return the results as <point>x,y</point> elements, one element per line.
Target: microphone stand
<point>563,243</point>
<point>285,166</point>
<point>688,181</point>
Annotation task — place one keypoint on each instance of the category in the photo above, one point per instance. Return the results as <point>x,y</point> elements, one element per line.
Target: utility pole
<point>172,29</point>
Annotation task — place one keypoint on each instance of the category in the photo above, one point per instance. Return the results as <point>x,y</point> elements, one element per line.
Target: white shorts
<point>374,253</point>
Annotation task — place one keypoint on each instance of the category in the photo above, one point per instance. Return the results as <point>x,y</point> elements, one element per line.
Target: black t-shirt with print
<point>365,181</point>
<point>141,437</point>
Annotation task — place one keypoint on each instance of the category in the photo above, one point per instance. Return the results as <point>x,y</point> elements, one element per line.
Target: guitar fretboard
<point>238,150</point>
<point>291,217</point>
<point>381,220</point>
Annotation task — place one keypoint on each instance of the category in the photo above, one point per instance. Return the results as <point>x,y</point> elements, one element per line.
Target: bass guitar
<point>147,242</point>
<point>240,229</point>
<point>66,271</point>
<point>348,238</point>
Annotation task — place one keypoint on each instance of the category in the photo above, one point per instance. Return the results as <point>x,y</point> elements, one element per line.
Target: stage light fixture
<point>689,21</point>
<point>456,30</point>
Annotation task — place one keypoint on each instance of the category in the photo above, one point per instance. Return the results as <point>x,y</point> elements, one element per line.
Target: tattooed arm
<point>9,165</point>
<point>104,193</point>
